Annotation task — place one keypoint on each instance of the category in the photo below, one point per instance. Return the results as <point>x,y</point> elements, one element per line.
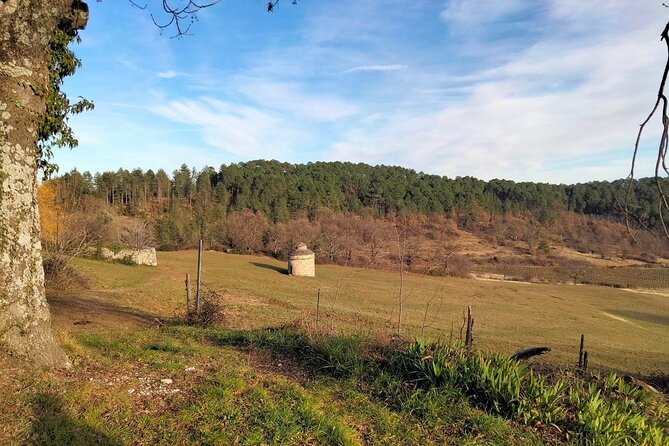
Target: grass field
<point>624,330</point>
<point>139,380</point>
<point>170,387</point>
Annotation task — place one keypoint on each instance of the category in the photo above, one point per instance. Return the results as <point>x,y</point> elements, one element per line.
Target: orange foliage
<point>50,213</point>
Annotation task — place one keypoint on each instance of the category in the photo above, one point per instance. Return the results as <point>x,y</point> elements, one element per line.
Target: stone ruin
<point>142,256</point>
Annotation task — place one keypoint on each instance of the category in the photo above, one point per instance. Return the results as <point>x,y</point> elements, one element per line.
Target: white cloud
<point>235,128</point>
<point>169,74</point>
<point>556,104</point>
<point>290,98</point>
<point>551,90</point>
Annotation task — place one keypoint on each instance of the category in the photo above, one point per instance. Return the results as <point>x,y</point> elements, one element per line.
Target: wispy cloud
<point>169,74</point>
<point>292,99</point>
<point>237,129</point>
<point>388,67</point>
<point>557,104</point>
<point>468,13</point>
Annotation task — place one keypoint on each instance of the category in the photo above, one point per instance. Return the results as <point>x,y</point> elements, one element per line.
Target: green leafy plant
<point>54,129</point>
<point>603,411</point>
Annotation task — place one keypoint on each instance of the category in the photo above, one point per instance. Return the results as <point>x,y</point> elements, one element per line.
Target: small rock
<point>166,381</point>
<point>189,369</point>
<point>131,391</point>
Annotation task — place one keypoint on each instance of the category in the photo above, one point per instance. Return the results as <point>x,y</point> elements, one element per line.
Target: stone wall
<point>302,266</point>
<point>144,256</point>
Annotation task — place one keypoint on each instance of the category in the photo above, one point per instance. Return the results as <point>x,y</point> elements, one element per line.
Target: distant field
<point>624,330</point>
<point>656,278</point>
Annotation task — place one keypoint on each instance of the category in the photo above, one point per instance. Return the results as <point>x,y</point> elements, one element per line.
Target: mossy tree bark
<point>26,28</point>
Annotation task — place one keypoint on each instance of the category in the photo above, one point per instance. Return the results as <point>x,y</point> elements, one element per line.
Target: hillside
<point>354,213</point>
<point>359,215</point>
<point>281,191</point>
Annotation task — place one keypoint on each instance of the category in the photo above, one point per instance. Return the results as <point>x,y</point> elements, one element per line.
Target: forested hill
<point>281,190</point>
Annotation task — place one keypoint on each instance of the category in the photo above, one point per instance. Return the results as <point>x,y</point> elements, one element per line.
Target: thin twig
<point>663,200</point>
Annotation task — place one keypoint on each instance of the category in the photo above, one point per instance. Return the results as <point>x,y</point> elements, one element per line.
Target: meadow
<point>623,329</point>
<point>270,375</point>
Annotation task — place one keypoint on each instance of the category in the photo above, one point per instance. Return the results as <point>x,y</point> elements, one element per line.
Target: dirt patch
<point>621,319</point>
<point>597,260</point>
<point>292,370</point>
<point>653,292</point>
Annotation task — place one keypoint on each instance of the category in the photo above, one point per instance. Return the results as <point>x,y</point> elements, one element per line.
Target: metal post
<point>580,353</point>
<point>318,305</point>
<point>199,270</point>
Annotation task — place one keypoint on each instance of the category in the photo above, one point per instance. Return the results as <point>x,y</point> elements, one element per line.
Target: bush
<point>126,260</point>
<point>424,378</point>
<point>115,247</point>
<point>459,266</point>
<point>210,311</point>
<point>59,274</point>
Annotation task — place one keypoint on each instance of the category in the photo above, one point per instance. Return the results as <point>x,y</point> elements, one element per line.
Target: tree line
<point>281,191</point>
<point>352,214</point>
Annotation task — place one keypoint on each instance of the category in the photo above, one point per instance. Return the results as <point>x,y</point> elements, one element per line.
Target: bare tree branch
<point>660,164</point>
<point>181,17</point>
<point>181,14</point>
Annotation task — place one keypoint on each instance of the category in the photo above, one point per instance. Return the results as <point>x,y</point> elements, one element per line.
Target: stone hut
<point>302,262</point>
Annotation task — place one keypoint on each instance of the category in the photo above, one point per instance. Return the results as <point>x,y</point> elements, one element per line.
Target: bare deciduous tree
<point>245,230</point>
<point>137,234</point>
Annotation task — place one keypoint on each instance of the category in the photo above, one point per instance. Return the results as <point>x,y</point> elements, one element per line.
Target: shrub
<point>424,378</point>
<point>126,260</point>
<point>115,247</point>
<point>59,274</point>
<point>210,311</point>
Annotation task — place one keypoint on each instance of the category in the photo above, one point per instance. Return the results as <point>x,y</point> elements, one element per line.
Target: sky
<point>544,90</point>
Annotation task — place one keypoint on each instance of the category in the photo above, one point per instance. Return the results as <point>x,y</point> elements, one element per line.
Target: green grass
<point>281,386</point>
<point>617,324</point>
<point>231,390</point>
<point>271,376</point>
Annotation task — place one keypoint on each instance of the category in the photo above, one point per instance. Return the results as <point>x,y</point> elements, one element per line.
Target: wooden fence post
<point>470,328</point>
<point>187,293</point>
<point>585,360</point>
<point>318,305</point>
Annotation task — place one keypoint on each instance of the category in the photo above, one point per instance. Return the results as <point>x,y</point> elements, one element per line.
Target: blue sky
<point>546,90</point>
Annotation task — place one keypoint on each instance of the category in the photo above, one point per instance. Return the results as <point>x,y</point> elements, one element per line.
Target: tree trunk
<point>26,28</point>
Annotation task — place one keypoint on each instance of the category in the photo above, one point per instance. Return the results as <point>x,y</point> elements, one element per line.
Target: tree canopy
<point>282,190</point>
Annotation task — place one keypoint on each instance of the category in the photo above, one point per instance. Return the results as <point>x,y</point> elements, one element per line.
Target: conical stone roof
<point>301,251</point>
